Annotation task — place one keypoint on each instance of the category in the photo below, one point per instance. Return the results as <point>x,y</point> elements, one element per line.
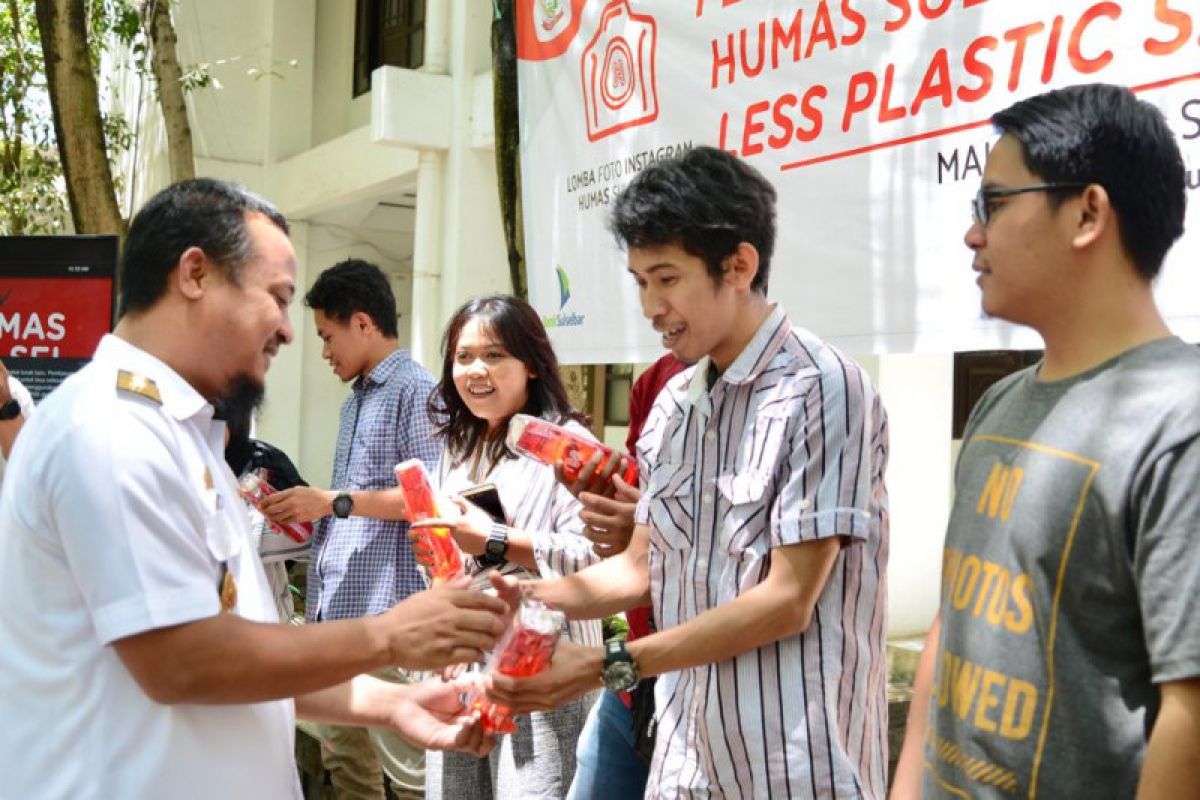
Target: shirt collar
<point>383,370</point>
<point>179,398</point>
<point>753,359</point>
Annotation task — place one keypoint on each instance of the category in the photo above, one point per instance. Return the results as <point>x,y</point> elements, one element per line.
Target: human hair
<point>351,286</point>
<point>200,212</point>
<point>705,201</point>
<point>238,408</point>
<point>517,327</point>
<point>1103,134</point>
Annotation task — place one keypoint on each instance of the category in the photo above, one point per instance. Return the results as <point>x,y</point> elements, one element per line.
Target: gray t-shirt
<point>1070,579</point>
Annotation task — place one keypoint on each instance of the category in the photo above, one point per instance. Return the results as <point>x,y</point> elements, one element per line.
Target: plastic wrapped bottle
<point>525,649</point>
<point>253,486</point>
<point>420,504</point>
<point>548,443</point>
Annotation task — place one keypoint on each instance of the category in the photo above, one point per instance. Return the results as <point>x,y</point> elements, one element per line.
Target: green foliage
<point>614,627</point>
<point>31,199</point>
<point>32,192</point>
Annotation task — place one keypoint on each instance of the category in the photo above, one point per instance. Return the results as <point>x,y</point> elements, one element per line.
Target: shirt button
<point>706,497</point>
<point>711,435</point>
<point>701,563</point>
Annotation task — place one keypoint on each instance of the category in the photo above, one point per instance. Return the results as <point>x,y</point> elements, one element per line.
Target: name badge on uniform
<point>211,496</point>
<point>227,589</point>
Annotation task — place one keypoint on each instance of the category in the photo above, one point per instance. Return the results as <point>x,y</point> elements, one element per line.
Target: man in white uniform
<point>140,654</point>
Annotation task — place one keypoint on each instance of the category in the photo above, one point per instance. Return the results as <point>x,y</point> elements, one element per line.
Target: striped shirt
<point>788,446</point>
<point>538,506</point>
<point>362,566</point>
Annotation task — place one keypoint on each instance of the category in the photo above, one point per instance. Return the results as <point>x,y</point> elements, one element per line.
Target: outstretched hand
<point>574,671</point>
<point>432,715</point>
<point>298,504</point>
<point>448,624</point>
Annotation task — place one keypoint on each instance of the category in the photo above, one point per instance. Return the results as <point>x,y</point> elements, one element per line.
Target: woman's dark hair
<point>517,327</point>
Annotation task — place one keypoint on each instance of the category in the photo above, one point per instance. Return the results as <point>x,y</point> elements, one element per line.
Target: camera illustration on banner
<point>619,86</point>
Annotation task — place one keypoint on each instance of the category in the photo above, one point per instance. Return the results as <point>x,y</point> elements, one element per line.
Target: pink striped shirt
<point>788,446</point>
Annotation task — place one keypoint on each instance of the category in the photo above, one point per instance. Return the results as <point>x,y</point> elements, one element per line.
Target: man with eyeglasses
<point>1065,656</point>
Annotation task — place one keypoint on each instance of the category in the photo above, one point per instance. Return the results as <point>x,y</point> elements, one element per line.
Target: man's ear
<point>193,273</point>
<point>1094,217</point>
<point>360,322</point>
<point>741,266</point>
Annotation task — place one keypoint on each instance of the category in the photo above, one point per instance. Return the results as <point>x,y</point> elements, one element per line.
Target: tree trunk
<point>508,141</point>
<point>156,16</point>
<point>71,79</point>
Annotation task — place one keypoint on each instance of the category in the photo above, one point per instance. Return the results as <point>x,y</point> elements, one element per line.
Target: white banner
<point>869,116</point>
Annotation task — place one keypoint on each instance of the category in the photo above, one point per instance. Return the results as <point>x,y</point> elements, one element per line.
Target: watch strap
<point>620,672</point>
<point>495,549</point>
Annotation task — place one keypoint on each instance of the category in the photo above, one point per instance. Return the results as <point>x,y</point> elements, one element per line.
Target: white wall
<point>917,390</point>
<point>335,111</point>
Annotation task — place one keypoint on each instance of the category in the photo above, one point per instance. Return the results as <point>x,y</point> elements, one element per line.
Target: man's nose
<point>975,236</point>
<point>652,305</point>
<point>286,334</point>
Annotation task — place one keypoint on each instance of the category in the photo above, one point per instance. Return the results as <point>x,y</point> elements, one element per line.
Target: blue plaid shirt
<point>361,566</point>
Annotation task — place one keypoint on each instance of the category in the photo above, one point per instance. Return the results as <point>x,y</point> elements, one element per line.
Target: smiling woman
<point>498,361</point>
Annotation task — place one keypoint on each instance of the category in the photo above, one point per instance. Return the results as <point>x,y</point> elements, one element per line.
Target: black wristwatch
<point>495,549</point>
<point>10,410</point>
<point>343,504</point>
<point>620,673</point>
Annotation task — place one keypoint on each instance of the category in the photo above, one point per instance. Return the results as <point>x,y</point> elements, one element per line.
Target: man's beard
<point>242,397</point>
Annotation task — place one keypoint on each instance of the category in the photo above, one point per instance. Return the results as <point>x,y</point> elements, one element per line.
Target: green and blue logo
<point>563,319</point>
<point>564,286</point>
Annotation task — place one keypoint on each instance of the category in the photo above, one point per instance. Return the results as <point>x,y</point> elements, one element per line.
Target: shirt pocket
<point>671,498</point>
<point>745,527</point>
<point>373,458</point>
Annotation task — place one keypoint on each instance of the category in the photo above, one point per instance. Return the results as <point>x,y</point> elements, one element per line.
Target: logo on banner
<point>563,319</point>
<point>620,89</point>
<point>564,287</point>
<point>550,14</point>
<point>546,28</point>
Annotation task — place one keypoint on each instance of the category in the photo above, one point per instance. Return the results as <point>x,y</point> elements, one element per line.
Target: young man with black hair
<point>1065,658</point>
<point>361,562</point>
<point>762,536</point>
<point>140,650</point>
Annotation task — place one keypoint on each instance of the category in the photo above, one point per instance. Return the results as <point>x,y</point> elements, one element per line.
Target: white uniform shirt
<point>788,446</point>
<point>117,515</point>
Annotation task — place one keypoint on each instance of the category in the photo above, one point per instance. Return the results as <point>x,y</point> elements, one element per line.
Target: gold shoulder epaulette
<point>138,384</point>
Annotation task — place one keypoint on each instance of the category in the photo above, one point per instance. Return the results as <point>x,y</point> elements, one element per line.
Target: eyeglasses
<point>981,210</point>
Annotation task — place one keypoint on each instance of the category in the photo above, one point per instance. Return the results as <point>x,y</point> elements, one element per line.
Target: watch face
<point>10,410</point>
<point>495,548</point>
<point>342,505</point>
<point>620,676</point>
